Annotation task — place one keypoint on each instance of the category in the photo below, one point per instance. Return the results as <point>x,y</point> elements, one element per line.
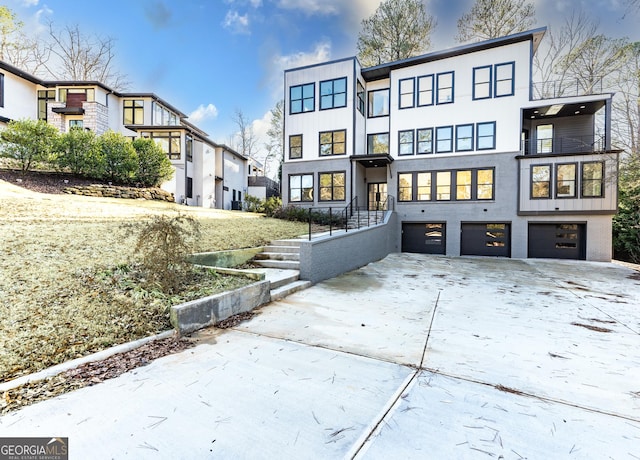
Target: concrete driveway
<point>409,357</point>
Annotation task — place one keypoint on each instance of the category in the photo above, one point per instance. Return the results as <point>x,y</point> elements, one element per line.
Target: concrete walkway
<point>410,357</point>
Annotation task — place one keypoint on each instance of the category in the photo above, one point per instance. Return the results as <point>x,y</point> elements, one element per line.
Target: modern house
<point>206,174</point>
<point>456,144</point>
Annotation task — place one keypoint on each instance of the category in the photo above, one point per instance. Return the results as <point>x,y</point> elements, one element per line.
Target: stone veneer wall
<point>112,191</point>
<point>96,117</point>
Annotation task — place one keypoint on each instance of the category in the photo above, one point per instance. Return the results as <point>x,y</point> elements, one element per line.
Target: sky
<point>211,58</point>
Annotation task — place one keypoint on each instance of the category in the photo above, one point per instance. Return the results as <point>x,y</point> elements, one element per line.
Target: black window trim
<point>369,105</point>
<point>344,172</point>
<point>451,139</point>
<point>493,123</point>
<point>418,152</point>
<point>475,83</point>
<point>575,180</point>
<point>370,136</point>
<point>301,139</point>
<point>419,91</point>
<point>413,93</point>
<point>301,86</point>
<point>531,181</point>
<point>453,85</point>
<point>602,180</point>
<point>333,133</point>
<point>466,125</point>
<point>333,93</point>
<point>413,142</point>
<point>453,175</point>
<point>301,188</point>
<point>513,78</point>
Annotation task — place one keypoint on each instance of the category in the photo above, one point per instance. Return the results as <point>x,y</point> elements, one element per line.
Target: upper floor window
<point>333,142</point>
<point>301,187</point>
<point>378,143</point>
<point>425,90</point>
<point>544,138</point>
<point>444,139</point>
<point>504,79</point>
<point>425,140</point>
<point>302,98</point>
<point>464,138</point>
<point>333,93</point>
<point>133,112</point>
<point>44,96</point>
<point>541,181</point>
<point>295,146</point>
<point>332,186</point>
<point>379,103</point>
<point>405,142</point>
<point>593,179</point>
<point>486,135</point>
<point>360,96</point>
<point>406,93</point>
<point>163,116</point>
<point>188,147</point>
<point>77,94</point>
<point>566,180</point>
<point>444,83</point>
<point>482,82</point>
<point>169,141</point>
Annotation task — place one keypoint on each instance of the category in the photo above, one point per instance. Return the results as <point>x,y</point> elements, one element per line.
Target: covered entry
<point>486,239</point>
<point>557,241</point>
<point>424,238</point>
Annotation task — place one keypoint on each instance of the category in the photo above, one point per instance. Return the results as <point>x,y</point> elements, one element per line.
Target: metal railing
<point>566,88</point>
<point>563,145</point>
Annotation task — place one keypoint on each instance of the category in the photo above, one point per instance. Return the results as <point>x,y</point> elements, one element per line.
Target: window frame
<point>402,106</point>
<point>301,188</point>
<point>418,142</point>
<point>371,96</point>
<point>333,186</point>
<point>479,137</point>
<point>361,96</point>
<point>470,138</point>
<point>402,189</point>
<point>449,190</point>
<point>477,83</point>
<point>333,94</point>
<point>468,186</point>
<point>512,78</point>
<point>427,91</point>
<point>450,139</point>
<point>450,185</point>
<point>557,180</point>
<point>533,182</point>
<point>400,143</point>
<point>439,89</point>
<point>477,184</point>
<point>291,137</point>
<point>333,143</point>
<point>584,180</point>
<point>170,137</point>
<point>302,98</point>
<point>137,108</point>
<point>370,143</point>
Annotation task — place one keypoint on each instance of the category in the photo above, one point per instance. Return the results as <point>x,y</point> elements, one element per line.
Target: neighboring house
<point>206,174</point>
<point>261,186</point>
<point>457,145</point>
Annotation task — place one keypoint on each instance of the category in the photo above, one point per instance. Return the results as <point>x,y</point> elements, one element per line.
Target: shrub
<point>164,244</point>
<point>77,150</point>
<point>28,142</point>
<point>253,204</point>
<point>154,167</point>
<point>117,158</point>
<point>320,217</point>
<point>271,205</point>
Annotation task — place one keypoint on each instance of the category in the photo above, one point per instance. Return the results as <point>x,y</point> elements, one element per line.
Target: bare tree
<point>626,103</point>
<point>83,57</point>
<point>275,145</point>
<point>16,47</point>
<point>245,139</point>
<point>489,19</point>
<point>397,30</point>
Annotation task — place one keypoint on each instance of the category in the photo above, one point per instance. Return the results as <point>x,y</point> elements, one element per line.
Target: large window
<point>566,180</point>
<point>301,187</point>
<point>133,111</point>
<point>464,138</point>
<point>333,142</point>
<point>444,82</point>
<point>424,186</point>
<point>405,187</point>
<point>463,185</point>
<point>295,146</point>
<point>454,185</point>
<point>377,143</point>
<point>484,184</point>
<point>360,98</point>
<point>406,93</point>
<point>443,185</point>
<point>504,79</point>
<point>302,98</point>
<point>425,90</point>
<point>333,93</point>
<point>541,181</point>
<point>44,96</point>
<point>169,141</point>
<point>379,103</point>
<point>163,116</point>
<point>593,179</point>
<point>486,135</point>
<point>482,82</point>
<point>405,142</point>
<point>444,139</point>
<point>544,138</point>
<point>332,186</point>
<point>425,140</point>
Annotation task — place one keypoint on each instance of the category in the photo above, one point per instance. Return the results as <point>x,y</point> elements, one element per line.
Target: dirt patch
<point>90,374</point>
<point>634,276</point>
<point>592,328</point>
<point>44,182</point>
<point>234,320</point>
<point>509,390</point>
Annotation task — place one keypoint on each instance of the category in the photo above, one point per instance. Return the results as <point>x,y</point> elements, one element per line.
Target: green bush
<point>117,158</point>
<point>253,204</point>
<point>154,167</point>
<point>271,205</point>
<point>319,217</point>
<point>77,151</point>
<point>28,142</point>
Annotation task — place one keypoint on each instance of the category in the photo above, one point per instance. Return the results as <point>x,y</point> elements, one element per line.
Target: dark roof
<point>383,70</point>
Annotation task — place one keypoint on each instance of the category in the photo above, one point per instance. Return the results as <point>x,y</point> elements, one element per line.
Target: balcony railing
<point>566,88</point>
<point>563,145</point>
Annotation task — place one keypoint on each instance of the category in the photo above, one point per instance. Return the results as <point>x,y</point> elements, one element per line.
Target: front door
<point>377,196</point>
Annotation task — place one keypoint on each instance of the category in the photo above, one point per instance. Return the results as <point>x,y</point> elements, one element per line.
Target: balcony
<point>566,88</point>
<point>563,145</point>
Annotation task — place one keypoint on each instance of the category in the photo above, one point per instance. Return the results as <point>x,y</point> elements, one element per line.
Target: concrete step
<point>285,243</point>
<point>274,248</point>
<point>282,264</point>
<point>277,256</point>
<point>283,291</point>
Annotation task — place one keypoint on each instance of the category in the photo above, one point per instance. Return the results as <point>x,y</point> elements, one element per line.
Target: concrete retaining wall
<point>328,256</point>
<point>112,191</point>
<point>200,313</point>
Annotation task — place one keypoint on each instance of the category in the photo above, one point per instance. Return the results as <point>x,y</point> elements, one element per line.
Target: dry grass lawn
<point>59,296</point>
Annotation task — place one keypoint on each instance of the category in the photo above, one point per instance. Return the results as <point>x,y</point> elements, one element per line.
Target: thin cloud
<point>203,112</point>
<point>236,23</point>
<point>158,14</point>
<point>311,7</point>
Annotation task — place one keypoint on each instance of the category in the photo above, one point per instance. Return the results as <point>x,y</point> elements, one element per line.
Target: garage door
<point>557,241</point>
<point>488,239</point>
<point>424,238</point>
